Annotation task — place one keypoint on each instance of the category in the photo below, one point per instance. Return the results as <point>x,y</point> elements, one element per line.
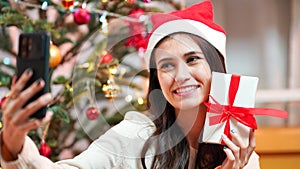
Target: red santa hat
<point>196,19</point>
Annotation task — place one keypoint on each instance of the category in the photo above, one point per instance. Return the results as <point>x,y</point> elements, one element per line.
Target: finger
<point>14,80</point>
<point>47,118</point>
<point>28,93</point>
<point>29,125</point>
<point>243,158</point>
<point>229,161</point>
<point>252,142</point>
<point>21,82</point>
<point>36,123</point>
<point>234,148</point>
<point>4,102</point>
<point>31,108</point>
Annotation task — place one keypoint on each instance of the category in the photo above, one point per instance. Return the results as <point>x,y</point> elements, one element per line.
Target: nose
<point>183,72</point>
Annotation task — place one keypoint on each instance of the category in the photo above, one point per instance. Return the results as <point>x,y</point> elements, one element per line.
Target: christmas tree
<point>101,44</point>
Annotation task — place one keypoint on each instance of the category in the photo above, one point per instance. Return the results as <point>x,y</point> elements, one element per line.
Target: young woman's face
<point>183,72</point>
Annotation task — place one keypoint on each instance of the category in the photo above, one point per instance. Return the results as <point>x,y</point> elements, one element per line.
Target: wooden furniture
<point>278,148</point>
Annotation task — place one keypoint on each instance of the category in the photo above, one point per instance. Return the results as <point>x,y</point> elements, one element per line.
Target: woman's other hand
<point>16,120</point>
<point>237,154</point>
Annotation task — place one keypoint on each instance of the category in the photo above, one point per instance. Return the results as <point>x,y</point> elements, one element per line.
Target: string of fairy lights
<point>71,5</point>
<point>76,7</point>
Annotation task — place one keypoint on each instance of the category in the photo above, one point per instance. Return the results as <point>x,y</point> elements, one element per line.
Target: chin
<point>188,106</point>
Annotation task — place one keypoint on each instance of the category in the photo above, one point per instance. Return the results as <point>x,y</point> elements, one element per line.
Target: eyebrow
<point>185,55</point>
<point>164,59</point>
<point>192,52</point>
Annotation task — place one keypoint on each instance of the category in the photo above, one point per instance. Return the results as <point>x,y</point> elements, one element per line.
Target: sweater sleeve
<point>253,162</point>
<point>119,147</point>
<point>29,158</point>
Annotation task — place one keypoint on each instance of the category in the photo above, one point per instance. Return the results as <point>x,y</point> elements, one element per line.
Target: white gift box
<point>245,97</point>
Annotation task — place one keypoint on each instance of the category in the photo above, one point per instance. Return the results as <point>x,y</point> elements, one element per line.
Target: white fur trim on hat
<point>214,37</point>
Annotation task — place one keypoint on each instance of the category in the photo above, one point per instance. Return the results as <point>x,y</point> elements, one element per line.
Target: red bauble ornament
<point>139,41</point>
<point>2,101</point>
<point>136,13</point>
<point>82,16</point>
<point>67,3</point>
<point>130,1</point>
<point>55,56</point>
<point>45,150</point>
<point>106,58</point>
<point>92,113</point>
<point>139,36</point>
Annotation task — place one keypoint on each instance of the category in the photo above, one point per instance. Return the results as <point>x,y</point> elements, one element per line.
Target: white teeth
<point>186,89</point>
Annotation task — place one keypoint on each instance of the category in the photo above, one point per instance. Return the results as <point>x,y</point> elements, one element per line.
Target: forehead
<point>177,44</point>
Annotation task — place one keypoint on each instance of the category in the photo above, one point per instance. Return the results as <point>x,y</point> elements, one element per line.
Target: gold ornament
<point>55,56</point>
<point>113,69</point>
<point>110,89</point>
<point>67,4</point>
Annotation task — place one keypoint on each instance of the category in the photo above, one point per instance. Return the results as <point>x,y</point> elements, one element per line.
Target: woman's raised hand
<point>237,154</point>
<point>16,120</point>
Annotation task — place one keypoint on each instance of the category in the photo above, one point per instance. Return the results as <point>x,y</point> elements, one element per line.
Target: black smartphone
<point>34,53</point>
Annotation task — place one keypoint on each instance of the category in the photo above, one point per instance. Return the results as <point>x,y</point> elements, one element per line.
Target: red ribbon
<point>241,114</point>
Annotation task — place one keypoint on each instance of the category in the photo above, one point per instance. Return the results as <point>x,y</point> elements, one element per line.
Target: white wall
<point>294,62</point>
<point>263,39</point>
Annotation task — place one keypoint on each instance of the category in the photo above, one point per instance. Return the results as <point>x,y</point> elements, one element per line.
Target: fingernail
<point>225,147</point>
<point>37,122</point>
<point>38,82</point>
<point>48,97</point>
<point>232,131</point>
<point>28,71</point>
<point>50,113</point>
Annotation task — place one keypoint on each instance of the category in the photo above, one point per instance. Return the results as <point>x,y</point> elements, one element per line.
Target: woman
<point>180,75</point>
<point>179,69</point>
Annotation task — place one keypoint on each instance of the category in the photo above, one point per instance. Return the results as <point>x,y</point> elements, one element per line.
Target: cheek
<point>204,75</point>
<point>205,79</point>
<point>165,81</point>
<point>206,85</point>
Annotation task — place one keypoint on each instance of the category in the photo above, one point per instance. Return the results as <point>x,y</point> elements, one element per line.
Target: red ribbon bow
<point>241,114</point>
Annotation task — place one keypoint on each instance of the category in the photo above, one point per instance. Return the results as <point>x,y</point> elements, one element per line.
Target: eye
<point>193,59</point>
<point>166,66</point>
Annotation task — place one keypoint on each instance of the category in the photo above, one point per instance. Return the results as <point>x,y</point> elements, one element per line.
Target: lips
<point>186,89</point>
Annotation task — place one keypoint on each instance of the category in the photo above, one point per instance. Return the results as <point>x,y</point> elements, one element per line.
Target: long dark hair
<point>170,155</point>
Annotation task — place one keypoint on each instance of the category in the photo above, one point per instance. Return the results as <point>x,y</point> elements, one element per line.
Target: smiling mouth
<point>185,90</point>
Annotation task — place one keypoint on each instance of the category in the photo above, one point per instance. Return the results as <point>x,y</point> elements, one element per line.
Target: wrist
<point>5,152</point>
<point>219,167</point>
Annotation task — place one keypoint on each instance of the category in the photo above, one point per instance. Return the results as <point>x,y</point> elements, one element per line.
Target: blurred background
<point>263,39</point>
<point>103,41</point>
